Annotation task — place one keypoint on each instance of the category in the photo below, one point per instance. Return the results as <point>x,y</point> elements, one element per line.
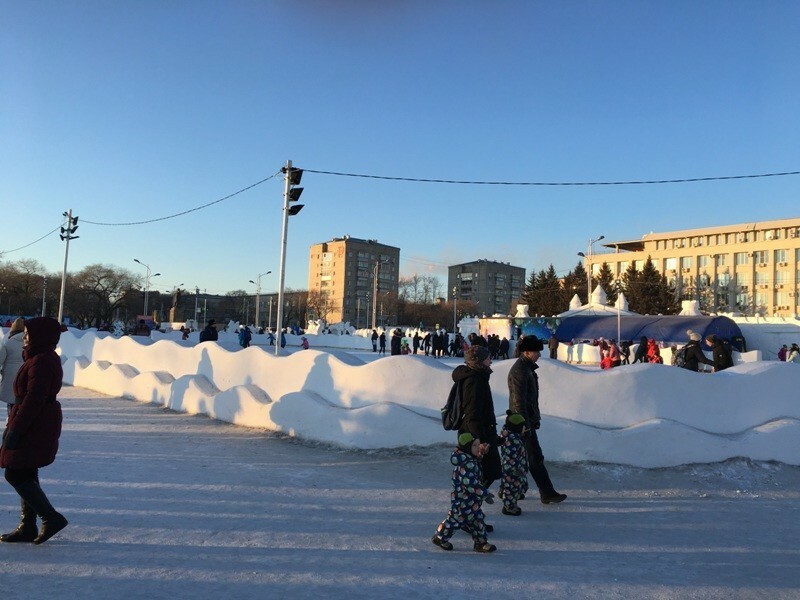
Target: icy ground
<point>167,505</point>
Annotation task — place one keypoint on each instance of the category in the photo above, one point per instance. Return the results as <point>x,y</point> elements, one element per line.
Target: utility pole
<point>292,178</point>
<point>44,296</point>
<point>66,236</point>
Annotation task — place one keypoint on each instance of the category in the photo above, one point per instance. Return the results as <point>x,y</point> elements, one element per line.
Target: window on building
<point>761,256</point>
<point>782,299</point>
<point>741,258</point>
<point>670,264</point>
<point>762,278</point>
<point>782,277</point>
<point>639,265</point>
<point>761,299</point>
<point>724,279</point>
<point>623,266</point>
<point>780,256</point>
<point>743,279</point>
<point>703,261</point>
<point>687,262</point>
<point>722,260</point>
<point>743,299</point>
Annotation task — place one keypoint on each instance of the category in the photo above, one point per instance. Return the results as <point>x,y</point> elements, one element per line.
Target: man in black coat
<point>721,352</point>
<point>523,398</point>
<point>394,343</point>
<point>209,334</point>
<point>641,351</point>
<point>478,408</point>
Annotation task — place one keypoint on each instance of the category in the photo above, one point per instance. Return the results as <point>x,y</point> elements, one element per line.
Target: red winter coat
<point>36,417</point>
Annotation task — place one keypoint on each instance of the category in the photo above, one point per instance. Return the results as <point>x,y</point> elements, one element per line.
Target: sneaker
<point>514,511</point>
<point>444,545</point>
<point>484,547</point>
<point>489,528</point>
<point>553,498</point>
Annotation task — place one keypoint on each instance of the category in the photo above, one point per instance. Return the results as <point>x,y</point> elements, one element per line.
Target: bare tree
<point>96,291</point>
<point>320,304</point>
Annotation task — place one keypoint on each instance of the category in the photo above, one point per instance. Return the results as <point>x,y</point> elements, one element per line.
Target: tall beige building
<point>356,275</point>
<point>753,268</point>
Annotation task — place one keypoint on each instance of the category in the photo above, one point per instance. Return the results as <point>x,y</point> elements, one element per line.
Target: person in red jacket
<point>30,440</point>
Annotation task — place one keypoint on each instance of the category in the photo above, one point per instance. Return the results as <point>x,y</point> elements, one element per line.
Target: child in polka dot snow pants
<point>467,497</point>
<point>514,459</point>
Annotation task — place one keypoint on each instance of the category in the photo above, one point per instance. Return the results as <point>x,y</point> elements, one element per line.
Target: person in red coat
<point>30,440</point>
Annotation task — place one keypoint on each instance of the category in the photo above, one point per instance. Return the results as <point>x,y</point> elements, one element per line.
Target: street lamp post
<point>455,304</point>
<point>375,272</point>
<point>257,283</point>
<point>146,282</point>
<point>588,258</point>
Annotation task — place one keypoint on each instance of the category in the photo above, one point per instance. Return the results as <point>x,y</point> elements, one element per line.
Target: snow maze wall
<point>641,415</point>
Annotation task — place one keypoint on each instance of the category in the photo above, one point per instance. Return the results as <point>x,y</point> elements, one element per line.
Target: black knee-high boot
<point>52,521</point>
<point>26,531</point>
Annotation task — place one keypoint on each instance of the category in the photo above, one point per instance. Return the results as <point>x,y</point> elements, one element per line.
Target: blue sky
<point>134,111</point>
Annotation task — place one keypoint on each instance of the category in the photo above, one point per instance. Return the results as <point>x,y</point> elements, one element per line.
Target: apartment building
<point>753,268</point>
<point>494,286</point>
<point>356,275</point>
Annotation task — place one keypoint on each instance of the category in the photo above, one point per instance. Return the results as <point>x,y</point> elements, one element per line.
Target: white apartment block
<point>753,268</point>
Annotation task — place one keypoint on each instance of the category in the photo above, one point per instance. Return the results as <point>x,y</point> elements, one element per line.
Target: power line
<point>552,183</point>
<point>185,212</point>
<point>32,243</point>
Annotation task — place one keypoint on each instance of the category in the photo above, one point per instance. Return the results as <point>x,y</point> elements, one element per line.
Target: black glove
<point>537,424</point>
<point>489,499</point>
<point>10,439</point>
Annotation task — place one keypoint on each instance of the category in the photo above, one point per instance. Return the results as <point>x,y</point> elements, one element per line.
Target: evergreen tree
<point>630,286</point>
<point>529,295</point>
<point>551,293</point>
<point>573,283</point>
<point>605,279</point>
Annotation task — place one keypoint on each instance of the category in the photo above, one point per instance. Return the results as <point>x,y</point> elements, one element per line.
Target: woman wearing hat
<point>30,440</point>
<point>478,407</point>
<point>693,355</point>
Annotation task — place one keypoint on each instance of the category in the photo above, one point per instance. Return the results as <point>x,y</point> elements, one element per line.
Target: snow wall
<point>641,415</point>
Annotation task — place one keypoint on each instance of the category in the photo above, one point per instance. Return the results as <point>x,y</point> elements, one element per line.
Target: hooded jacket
<point>34,425</point>
<point>694,356</point>
<point>477,404</point>
<point>10,363</point>
<point>523,391</point>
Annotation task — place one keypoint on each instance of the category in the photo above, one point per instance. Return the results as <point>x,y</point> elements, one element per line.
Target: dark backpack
<point>453,412</point>
<point>680,358</point>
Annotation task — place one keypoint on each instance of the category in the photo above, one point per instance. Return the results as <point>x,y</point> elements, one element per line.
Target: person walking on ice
<point>467,497</point>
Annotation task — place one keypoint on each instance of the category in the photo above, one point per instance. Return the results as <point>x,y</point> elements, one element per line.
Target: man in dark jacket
<point>209,334</point>
<point>552,345</point>
<point>721,352</point>
<point>478,407</point>
<point>523,398</point>
<point>394,343</point>
<point>693,353</point>
<point>641,351</point>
